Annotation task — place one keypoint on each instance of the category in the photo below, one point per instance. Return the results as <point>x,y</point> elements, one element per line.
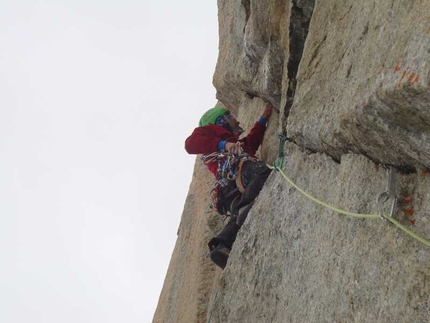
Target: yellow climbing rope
<point>352,214</point>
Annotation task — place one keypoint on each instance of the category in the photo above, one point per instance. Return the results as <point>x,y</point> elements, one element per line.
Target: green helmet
<point>211,115</point>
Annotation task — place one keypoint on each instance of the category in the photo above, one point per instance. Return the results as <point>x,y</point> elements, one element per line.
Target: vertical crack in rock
<point>299,27</point>
<point>247,6</point>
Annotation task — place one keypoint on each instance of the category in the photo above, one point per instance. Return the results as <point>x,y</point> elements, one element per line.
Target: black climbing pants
<point>254,175</point>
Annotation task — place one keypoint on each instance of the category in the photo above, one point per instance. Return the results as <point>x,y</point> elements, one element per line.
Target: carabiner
<point>389,194</point>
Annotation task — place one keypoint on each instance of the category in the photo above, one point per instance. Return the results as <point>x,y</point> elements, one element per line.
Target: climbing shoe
<point>220,255</point>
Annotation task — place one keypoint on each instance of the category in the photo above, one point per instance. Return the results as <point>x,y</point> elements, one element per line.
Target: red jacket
<point>204,140</point>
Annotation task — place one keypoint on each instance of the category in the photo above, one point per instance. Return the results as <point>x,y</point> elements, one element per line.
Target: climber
<point>219,132</point>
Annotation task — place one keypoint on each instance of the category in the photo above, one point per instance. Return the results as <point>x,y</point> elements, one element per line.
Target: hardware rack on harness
<point>229,170</point>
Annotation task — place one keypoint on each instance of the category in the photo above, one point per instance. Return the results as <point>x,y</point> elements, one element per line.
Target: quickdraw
<point>390,194</point>
<point>280,160</point>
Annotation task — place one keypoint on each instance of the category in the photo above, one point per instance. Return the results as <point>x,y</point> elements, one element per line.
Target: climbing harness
<point>227,166</point>
<point>239,181</point>
<point>229,170</point>
<point>389,194</point>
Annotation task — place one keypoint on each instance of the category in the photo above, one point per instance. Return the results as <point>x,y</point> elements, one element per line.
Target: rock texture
<point>363,83</point>
<point>349,81</point>
<point>251,50</point>
<point>255,57</point>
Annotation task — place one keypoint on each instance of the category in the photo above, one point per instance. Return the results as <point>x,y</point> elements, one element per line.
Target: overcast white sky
<point>96,100</point>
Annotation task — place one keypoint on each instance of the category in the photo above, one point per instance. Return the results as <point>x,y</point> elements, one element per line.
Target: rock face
<point>349,81</point>
<point>254,53</point>
<point>251,54</point>
<point>363,81</point>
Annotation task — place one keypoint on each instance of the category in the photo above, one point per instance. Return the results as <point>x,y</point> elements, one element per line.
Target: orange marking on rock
<point>411,77</point>
<point>413,221</point>
<point>417,78</point>
<point>425,172</point>
<point>397,68</point>
<point>404,74</point>
<point>410,211</point>
<point>399,84</point>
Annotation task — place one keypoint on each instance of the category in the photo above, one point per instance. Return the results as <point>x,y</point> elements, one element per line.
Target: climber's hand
<point>234,148</point>
<point>267,111</point>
